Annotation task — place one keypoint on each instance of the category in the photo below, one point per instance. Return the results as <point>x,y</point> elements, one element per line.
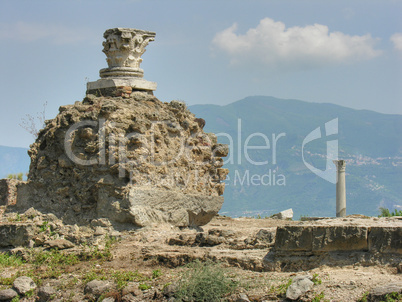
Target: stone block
<point>385,239</point>
<point>8,191</point>
<point>134,83</point>
<point>16,234</point>
<point>294,238</point>
<point>144,207</point>
<point>340,238</point>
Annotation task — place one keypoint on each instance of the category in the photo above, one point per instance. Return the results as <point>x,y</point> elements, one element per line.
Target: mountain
<point>273,178</point>
<point>13,160</point>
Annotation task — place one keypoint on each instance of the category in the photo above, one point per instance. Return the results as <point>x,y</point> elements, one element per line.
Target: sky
<point>347,53</point>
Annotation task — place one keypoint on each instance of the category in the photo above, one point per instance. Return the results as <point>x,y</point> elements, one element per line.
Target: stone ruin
<point>122,154</point>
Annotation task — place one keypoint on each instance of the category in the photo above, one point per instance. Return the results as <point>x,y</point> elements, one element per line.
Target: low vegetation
<point>18,176</point>
<point>204,281</point>
<point>386,213</point>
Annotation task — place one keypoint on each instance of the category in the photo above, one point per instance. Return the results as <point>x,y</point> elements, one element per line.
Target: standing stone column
<point>340,188</point>
<point>123,48</point>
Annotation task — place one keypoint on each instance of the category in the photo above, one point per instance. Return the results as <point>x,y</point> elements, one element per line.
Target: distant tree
<point>386,213</point>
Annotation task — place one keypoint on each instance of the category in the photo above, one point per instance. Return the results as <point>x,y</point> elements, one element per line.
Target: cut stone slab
<point>23,285</point>
<point>134,83</point>
<point>294,238</point>
<point>380,293</point>
<point>339,238</point>
<point>385,239</point>
<point>147,206</point>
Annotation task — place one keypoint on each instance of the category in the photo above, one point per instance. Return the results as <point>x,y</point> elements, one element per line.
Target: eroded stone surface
<point>135,161</point>
<point>23,285</point>
<point>16,234</point>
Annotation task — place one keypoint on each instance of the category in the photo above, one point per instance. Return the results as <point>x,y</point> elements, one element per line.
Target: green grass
<point>204,282</point>
<point>280,290</point>
<point>319,297</point>
<point>7,260</point>
<point>316,280</point>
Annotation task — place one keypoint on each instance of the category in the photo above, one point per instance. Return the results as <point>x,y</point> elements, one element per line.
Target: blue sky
<point>343,52</point>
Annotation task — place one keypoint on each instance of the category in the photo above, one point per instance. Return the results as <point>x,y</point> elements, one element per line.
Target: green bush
<point>18,176</point>
<point>386,213</point>
<point>204,282</point>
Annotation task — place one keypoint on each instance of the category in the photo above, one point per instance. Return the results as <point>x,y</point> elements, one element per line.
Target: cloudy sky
<point>342,52</point>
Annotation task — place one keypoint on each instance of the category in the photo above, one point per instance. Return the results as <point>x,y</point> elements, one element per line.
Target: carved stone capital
<point>340,165</point>
<point>124,48</point>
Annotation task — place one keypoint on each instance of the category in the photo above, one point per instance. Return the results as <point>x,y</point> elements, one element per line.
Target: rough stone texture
<point>294,238</point>
<point>385,240</point>
<point>287,214</point>
<point>46,293</point>
<point>339,238</point>
<point>23,285</point>
<point>8,191</point>
<point>7,294</point>
<point>16,234</point>
<point>96,287</point>
<point>379,293</point>
<point>243,298</point>
<point>134,161</point>
<point>321,238</point>
<point>300,285</point>
<point>59,244</point>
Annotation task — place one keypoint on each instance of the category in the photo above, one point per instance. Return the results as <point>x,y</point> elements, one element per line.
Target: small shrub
<point>156,273</point>
<point>204,282</point>
<point>316,280</point>
<point>393,297</point>
<point>44,226</point>
<point>386,213</point>
<point>319,297</point>
<point>363,298</point>
<point>281,289</point>
<point>144,286</point>
<point>18,176</point>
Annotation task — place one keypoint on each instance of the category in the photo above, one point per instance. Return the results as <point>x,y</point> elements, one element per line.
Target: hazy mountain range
<point>371,143</point>
<point>274,177</point>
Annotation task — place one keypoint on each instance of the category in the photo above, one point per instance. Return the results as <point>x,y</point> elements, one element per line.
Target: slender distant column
<point>340,188</point>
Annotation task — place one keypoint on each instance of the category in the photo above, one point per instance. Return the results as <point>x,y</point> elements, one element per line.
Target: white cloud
<point>57,34</point>
<point>272,44</point>
<point>397,40</point>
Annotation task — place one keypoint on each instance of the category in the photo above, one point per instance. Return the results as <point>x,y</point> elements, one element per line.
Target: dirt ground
<point>157,263</point>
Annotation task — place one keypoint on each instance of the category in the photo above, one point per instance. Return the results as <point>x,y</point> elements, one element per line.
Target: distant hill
<point>370,141</point>
<point>13,160</point>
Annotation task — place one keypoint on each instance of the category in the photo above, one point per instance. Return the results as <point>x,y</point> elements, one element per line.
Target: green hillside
<point>370,141</point>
